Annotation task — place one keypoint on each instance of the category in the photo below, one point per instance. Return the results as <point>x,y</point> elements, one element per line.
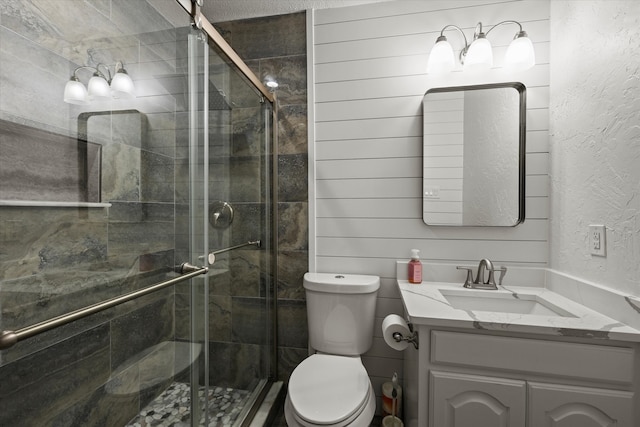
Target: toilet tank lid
<point>341,283</point>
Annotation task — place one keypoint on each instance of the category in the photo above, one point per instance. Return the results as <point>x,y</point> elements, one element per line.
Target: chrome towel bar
<point>9,338</point>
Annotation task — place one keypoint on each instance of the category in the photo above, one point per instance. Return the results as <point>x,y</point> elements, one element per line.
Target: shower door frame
<point>192,7</point>
<point>201,22</point>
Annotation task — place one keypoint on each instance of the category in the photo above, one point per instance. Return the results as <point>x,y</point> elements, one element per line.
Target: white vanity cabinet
<point>556,405</point>
<point>472,378</point>
<point>471,400</point>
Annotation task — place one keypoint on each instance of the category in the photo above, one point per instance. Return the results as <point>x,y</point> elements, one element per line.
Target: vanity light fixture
<point>478,55</point>
<point>100,87</point>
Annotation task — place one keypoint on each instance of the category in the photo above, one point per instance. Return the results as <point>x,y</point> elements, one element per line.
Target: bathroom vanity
<point>517,356</point>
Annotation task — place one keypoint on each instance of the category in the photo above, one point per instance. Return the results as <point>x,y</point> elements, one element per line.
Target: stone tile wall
<point>40,165</point>
<point>276,47</point>
<point>53,260</point>
<point>51,256</point>
<point>236,284</point>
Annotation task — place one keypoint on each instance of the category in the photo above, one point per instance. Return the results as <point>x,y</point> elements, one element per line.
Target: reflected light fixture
<point>271,83</point>
<point>101,86</point>
<point>478,55</point>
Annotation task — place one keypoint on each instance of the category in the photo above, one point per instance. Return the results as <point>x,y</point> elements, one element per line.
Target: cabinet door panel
<point>460,400</point>
<point>541,357</point>
<point>554,405</point>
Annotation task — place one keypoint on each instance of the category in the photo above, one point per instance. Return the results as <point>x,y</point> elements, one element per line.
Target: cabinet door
<point>552,405</point>
<point>461,400</point>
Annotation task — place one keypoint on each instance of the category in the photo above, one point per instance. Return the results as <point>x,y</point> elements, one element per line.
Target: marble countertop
<point>425,304</point>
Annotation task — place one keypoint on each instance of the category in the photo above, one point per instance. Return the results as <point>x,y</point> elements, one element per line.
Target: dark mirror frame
<point>522,114</point>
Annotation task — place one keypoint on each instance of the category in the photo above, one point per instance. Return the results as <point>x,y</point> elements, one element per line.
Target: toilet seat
<point>362,420</point>
<point>329,390</point>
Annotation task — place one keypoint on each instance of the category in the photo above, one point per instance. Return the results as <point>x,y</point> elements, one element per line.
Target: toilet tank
<point>341,311</point>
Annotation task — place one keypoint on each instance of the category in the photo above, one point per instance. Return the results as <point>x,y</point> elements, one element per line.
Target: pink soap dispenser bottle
<point>415,267</point>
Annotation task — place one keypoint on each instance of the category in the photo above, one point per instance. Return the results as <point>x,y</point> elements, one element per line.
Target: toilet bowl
<point>329,390</point>
<point>332,387</point>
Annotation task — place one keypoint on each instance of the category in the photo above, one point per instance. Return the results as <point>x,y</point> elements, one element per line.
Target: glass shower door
<point>109,210</point>
<point>198,167</point>
<point>230,199</point>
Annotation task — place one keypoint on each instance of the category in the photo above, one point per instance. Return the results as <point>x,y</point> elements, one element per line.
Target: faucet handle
<point>503,272</point>
<point>468,282</point>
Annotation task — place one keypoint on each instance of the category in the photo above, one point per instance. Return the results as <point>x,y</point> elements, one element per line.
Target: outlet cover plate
<point>597,240</point>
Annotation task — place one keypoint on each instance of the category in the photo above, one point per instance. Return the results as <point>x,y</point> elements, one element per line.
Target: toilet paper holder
<point>413,339</point>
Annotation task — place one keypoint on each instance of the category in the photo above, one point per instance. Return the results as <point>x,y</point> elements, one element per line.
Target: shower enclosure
<point>103,199</point>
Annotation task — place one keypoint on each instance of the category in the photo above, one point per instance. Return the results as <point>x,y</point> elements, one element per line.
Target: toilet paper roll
<point>392,324</point>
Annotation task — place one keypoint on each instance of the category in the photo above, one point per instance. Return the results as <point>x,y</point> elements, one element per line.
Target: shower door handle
<point>211,258</point>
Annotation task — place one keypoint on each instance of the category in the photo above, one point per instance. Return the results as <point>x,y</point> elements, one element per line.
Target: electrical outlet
<point>597,240</point>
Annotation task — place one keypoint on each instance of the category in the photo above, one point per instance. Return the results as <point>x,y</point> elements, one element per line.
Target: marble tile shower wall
<point>276,46</point>
<point>236,298</point>
<point>56,259</point>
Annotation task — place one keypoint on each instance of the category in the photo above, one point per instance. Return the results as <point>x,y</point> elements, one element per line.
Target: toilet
<point>331,387</point>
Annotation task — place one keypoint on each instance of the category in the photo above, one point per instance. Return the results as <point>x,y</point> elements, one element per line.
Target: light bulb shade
<point>75,93</point>
<point>122,85</point>
<point>520,55</point>
<point>99,89</point>
<point>479,56</point>
<point>441,58</point>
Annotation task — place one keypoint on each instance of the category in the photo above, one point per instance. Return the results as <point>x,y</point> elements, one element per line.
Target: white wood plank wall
<point>368,69</point>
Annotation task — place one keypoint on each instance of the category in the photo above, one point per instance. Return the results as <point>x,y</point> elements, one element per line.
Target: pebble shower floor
<point>173,407</point>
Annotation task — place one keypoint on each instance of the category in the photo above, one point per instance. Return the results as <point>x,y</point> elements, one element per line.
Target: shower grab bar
<point>9,338</point>
<point>212,255</point>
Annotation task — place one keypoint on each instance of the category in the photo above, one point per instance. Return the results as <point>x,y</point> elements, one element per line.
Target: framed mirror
<point>474,155</point>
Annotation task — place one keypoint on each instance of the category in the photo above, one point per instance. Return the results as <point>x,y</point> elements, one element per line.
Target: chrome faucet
<point>485,263</point>
<point>479,282</point>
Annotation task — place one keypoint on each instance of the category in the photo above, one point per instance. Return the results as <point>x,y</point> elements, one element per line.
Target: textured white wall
<point>491,120</point>
<point>595,139</point>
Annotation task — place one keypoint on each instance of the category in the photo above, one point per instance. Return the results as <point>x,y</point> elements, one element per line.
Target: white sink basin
<point>501,302</point>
